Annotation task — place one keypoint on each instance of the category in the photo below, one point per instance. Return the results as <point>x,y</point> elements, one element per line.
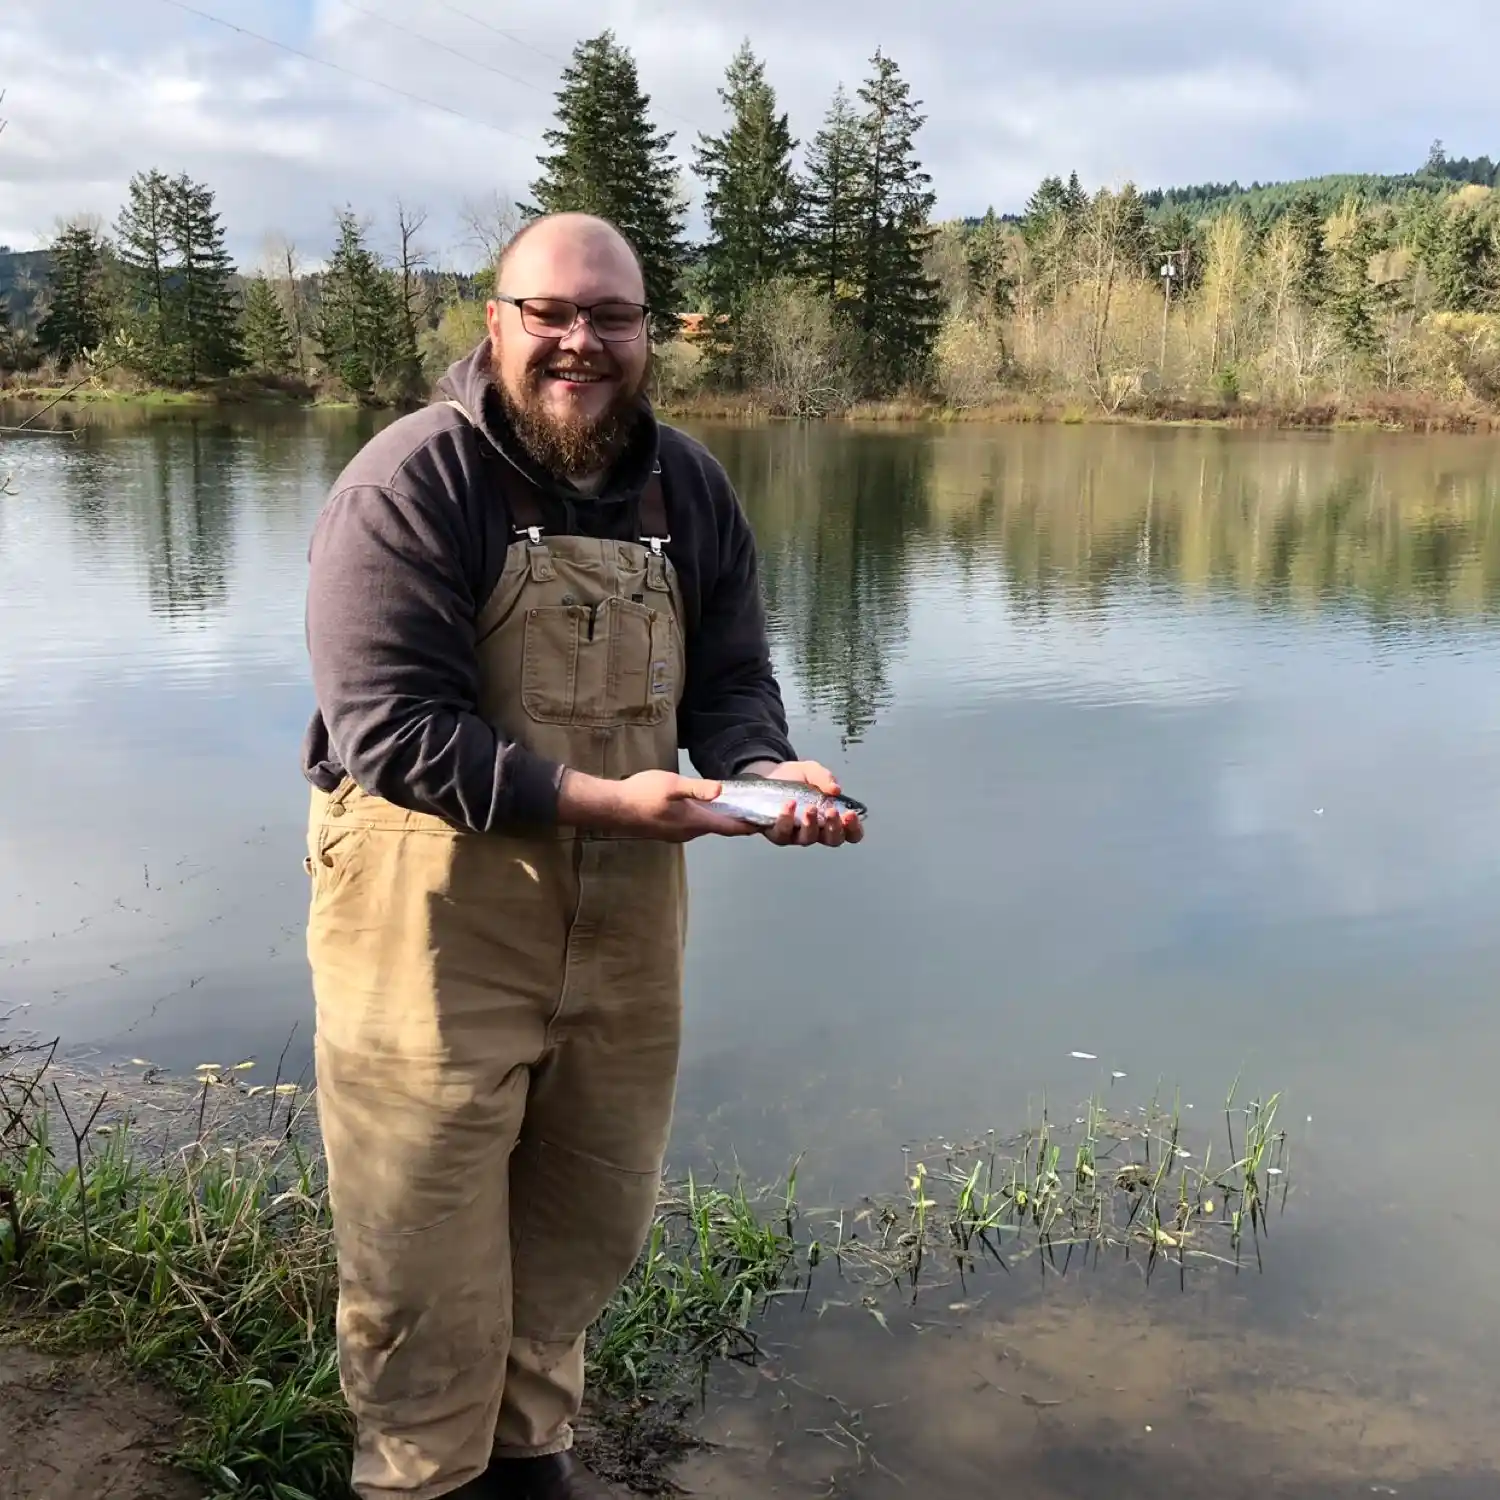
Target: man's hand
<point>650,804</point>
<point>814,827</point>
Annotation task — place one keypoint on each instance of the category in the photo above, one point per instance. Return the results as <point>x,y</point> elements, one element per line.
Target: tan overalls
<point>498,1019</point>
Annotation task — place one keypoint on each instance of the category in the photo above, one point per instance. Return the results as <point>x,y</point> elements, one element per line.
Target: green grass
<point>1105,1182</point>
<point>203,1254</point>
<point>210,1268</point>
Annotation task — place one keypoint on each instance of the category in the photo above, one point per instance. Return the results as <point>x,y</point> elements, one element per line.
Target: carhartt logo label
<point>658,677</point>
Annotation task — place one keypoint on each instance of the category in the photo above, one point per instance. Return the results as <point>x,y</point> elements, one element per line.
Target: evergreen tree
<point>608,159</point>
<point>1351,299</point>
<point>897,303</point>
<point>988,256</point>
<point>143,249</point>
<point>1306,216</point>
<point>1174,234</point>
<point>360,316</point>
<point>1463,260</point>
<point>829,199</point>
<point>264,332</point>
<point>1050,227</point>
<point>77,318</point>
<point>17,351</point>
<point>751,202</point>
<point>204,321</point>
<point>178,308</point>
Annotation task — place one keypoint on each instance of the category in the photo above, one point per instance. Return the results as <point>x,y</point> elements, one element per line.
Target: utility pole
<point>1169,274</point>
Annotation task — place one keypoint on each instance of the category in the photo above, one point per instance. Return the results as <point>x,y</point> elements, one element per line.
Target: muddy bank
<point>81,1428</point>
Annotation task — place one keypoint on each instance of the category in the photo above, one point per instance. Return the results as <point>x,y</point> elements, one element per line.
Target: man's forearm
<point>589,802</point>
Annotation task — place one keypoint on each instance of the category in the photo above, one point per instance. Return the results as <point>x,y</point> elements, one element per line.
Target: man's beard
<point>578,444</point>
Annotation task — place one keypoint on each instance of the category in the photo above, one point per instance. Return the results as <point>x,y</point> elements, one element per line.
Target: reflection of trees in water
<point>167,489</point>
<point>174,490</point>
<point>1398,530</point>
<point>833,513</point>
<point>186,511</point>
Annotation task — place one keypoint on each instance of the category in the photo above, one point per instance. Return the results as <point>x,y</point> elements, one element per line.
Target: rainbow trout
<point>759,800</point>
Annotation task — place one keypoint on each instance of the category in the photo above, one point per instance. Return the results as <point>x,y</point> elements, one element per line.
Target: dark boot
<point>485,1487</point>
<point>560,1476</point>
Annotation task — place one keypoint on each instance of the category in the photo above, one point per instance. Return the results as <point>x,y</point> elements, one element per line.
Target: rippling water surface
<point>1183,750</point>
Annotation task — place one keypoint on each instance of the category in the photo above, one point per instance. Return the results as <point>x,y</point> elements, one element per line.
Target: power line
<point>323,62</point>
<point>360,10</point>
<point>511,36</point>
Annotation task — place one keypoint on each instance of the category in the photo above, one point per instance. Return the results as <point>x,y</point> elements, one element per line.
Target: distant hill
<point>1263,201</point>
<point>23,275</point>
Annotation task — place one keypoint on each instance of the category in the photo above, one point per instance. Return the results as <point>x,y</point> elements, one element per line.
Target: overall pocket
<point>554,638</point>
<point>613,664</point>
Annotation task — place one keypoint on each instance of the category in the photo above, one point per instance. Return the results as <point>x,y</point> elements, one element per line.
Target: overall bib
<point>498,1025</point>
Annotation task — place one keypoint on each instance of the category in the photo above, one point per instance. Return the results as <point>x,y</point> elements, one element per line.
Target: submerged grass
<point>1104,1182</point>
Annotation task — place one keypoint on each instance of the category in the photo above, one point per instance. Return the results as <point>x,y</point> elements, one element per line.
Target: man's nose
<point>581,337</point>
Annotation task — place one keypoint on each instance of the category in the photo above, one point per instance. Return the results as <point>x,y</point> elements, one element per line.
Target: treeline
<point>1091,296</point>
<point>823,281</point>
<point>817,279</point>
<point>155,300</point>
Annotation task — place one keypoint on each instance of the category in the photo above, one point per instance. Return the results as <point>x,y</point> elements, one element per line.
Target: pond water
<point>1183,751</point>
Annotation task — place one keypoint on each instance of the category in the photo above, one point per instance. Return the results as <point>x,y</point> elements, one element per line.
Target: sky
<point>1155,91</point>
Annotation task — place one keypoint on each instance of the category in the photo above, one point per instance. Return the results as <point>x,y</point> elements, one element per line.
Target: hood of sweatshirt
<point>471,382</point>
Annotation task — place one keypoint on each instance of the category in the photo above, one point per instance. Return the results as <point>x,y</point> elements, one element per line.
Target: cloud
<point>1155,92</point>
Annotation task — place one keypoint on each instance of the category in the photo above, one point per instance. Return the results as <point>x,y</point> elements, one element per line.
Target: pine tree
<point>829,200</point>
<point>176,272</point>
<point>77,318</point>
<point>1463,262</point>
<point>264,332</point>
<point>204,321</point>
<point>609,160</point>
<point>360,316</point>
<point>143,249</point>
<point>1050,227</point>
<point>988,256</point>
<point>1306,216</point>
<point>751,202</point>
<point>897,306</point>
<point>1351,297</point>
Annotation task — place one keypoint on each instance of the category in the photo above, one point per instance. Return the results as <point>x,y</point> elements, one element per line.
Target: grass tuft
<point>209,1267</point>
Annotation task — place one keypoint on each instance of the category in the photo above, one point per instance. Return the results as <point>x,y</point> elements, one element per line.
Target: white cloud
<point>97,90</point>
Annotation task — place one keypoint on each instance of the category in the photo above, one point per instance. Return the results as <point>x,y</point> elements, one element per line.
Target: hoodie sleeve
<point>390,633</point>
<point>731,712</point>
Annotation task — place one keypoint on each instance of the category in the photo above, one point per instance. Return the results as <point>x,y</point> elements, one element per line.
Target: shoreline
<point>1397,411</point>
<point>166,1260</point>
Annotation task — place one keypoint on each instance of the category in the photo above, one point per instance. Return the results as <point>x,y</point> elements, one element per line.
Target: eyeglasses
<point>554,318</point>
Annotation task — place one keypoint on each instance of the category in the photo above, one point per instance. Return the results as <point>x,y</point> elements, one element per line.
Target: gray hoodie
<point>409,546</point>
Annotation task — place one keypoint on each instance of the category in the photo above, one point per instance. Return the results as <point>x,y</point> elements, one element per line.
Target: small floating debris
<point>1085,1056</point>
<point>1116,1075</point>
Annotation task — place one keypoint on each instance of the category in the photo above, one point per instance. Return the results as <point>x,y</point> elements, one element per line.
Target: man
<point>524,599</point>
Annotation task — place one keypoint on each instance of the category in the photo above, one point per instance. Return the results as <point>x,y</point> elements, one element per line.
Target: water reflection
<point>1397,533</point>
<point>835,522</point>
<point>1184,749</point>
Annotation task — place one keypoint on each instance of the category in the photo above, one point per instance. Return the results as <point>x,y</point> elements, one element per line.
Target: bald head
<point>569,245</point>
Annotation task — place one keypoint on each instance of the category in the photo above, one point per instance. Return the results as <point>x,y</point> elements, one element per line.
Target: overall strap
<point>651,513</point>
<point>521,496</point>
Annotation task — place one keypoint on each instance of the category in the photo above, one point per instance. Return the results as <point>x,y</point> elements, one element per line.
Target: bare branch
<point>490,221</point>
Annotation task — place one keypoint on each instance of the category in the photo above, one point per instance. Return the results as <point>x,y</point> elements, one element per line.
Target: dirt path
<point>74,1429</point>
